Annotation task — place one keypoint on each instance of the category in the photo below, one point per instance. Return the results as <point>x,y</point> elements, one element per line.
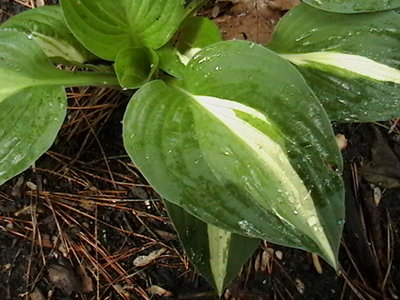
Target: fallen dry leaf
<point>253,20</point>
<point>384,168</point>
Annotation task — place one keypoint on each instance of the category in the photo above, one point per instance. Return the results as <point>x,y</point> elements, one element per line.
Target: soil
<point>73,225</point>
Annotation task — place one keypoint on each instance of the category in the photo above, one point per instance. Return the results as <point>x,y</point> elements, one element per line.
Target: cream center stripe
<point>349,62</point>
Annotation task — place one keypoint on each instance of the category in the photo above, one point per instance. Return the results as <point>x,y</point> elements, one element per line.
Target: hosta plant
<point>234,136</point>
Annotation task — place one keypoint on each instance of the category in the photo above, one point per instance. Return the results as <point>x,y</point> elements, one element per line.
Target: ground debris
<point>249,20</point>
<point>384,168</point>
<point>159,291</point>
<point>63,279</point>
<point>36,295</point>
<point>144,260</point>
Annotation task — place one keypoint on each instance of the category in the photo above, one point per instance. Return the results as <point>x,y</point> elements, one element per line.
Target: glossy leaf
<point>194,34</point>
<point>29,123</point>
<point>135,66</point>
<point>352,62</point>
<point>32,100</point>
<point>105,27</point>
<point>47,27</point>
<point>221,146</point>
<point>217,254</point>
<point>354,6</point>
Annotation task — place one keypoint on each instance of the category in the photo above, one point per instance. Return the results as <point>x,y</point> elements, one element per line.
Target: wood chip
<point>300,286</point>
<point>144,260</point>
<point>159,291</point>
<point>40,3</point>
<point>31,185</point>
<point>36,295</point>
<point>279,255</point>
<point>377,195</point>
<point>266,260</point>
<point>341,141</point>
<point>316,263</point>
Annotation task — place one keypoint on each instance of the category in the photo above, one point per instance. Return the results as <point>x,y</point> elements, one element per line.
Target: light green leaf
<point>23,64</point>
<point>194,34</point>
<point>105,27</point>
<point>32,100</point>
<point>135,66</point>
<point>244,148</point>
<point>47,27</point>
<point>352,62</point>
<point>29,123</point>
<point>354,6</point>
<point>217,254</point>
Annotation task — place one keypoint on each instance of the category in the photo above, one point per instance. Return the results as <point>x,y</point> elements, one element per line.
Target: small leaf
<point>47,27</point>
<point>135,66</point>
<point>217,254</point>
<point>220,146</point>
<point>105,27</point>
<point>194,34</point>
<point>352,62</point>
<point>354,6</point>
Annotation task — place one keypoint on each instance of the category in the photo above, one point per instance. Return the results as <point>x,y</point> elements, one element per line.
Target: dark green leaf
<point>217,254</point>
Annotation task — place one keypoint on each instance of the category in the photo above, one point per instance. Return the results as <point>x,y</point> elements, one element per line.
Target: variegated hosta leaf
<point>194,34</point>
<point>105,27</point>
<point>354,6</point>
<point>47,27</point>
<point>244,148</point>
<point>352,62</point>
<point>216,253</point>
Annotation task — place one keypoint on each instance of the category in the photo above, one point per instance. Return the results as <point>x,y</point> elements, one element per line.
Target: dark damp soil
<point>72,226</point>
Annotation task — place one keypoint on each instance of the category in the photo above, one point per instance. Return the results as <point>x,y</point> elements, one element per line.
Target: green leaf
<point>244,148</point>
<point>29,123</point>
<point>354,6</point>
<point>135,66</point>
<point>32,100</point>
<point>23,64</point>
<point>47,27</point>
<point>352,62</point>
<point>217,254</point>
<point>194,34</point>
<point>105,27</point>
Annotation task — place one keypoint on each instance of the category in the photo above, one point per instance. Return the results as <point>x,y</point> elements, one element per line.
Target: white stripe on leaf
<point>353,63</point>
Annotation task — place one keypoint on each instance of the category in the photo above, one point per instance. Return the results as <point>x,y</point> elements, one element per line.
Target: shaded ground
<point>74,226</point>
